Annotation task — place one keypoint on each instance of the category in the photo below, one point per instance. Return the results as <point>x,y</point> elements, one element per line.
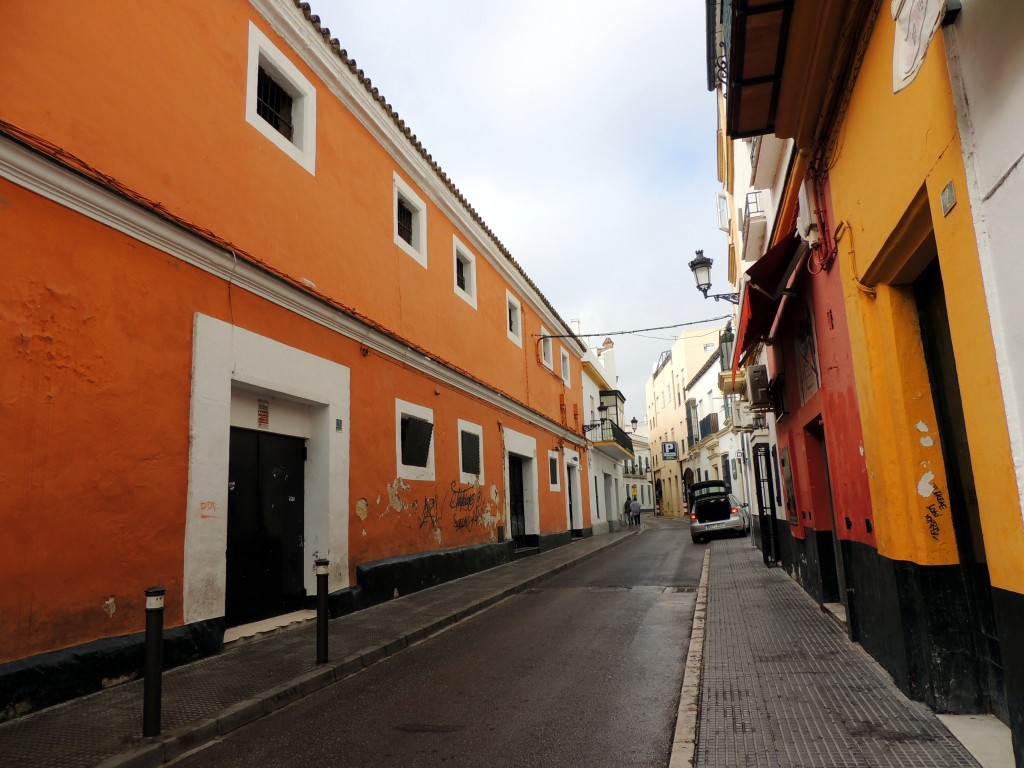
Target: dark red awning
<point>766,280</point>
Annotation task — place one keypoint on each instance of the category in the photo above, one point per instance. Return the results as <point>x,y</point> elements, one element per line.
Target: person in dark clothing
<point>634,510</point>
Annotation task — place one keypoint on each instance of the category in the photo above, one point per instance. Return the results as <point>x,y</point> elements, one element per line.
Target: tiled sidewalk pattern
<point>783,687</point>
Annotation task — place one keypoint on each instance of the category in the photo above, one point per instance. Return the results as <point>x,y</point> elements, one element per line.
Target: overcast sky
<point>581,131</point>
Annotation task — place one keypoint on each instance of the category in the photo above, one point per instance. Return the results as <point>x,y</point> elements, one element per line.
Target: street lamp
<point>760,421</point>
<point>633,422</point>
<point>701,268</point>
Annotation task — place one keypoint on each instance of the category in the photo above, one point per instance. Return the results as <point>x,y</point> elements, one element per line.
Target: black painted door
<point>930,296</point>
<point>763,484</point>
<point>517,509</point>
<point>265,526</point>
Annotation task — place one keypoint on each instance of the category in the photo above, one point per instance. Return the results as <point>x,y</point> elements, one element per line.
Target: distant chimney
<point>574,325</point>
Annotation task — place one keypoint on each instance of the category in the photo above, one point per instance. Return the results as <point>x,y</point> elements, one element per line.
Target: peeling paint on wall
<point>362,509</point>
<point>921,426</point>
<point>925,486</point>
<point>394,498</point>
<point>927,442</point>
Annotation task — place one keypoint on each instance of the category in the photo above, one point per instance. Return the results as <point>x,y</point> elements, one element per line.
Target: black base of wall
<point>555,540</point>
<point>914,620</point>
<point>1009,609</point>
<point>378,581</point>
<point>50,678</point>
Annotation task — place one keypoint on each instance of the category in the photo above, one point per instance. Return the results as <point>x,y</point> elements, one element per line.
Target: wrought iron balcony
<point>611,439</point>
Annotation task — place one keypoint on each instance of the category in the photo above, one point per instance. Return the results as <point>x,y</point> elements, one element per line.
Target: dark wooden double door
<point>265,526</point>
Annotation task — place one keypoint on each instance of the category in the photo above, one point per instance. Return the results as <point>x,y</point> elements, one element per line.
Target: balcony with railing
<point>610,439</point>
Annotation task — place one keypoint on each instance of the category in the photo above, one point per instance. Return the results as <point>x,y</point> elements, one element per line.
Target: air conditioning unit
<point>757,388</point>
<point>806,220</point>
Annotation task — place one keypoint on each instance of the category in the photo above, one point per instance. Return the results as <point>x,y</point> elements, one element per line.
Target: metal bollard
<point>154,661</point>
<point>321,611</point>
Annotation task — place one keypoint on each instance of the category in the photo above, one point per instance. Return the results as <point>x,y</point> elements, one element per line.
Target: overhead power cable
<point>626,333</point>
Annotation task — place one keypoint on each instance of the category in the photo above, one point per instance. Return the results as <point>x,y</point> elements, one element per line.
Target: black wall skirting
<point>50,678</point>
<point>378,581</point>
<point>1009,609</point>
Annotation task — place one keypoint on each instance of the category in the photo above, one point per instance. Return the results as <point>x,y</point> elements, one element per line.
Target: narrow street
<point>585,669</point>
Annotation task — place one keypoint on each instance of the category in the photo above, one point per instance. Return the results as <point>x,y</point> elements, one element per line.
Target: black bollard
<point>154,661</point>
<point>321,611</point>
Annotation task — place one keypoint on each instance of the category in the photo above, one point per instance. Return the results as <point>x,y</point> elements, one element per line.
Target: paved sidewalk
<point>211,697</point>
<point>783,686</point>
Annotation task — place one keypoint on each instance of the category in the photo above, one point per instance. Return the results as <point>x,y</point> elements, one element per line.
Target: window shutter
<point>470,453</point>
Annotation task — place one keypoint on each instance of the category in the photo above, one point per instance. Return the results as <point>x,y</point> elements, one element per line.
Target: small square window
<point>471,453</point>
<point>274,104</point>
<point>410,231</point>
<point>514,320</point>
<point>414,441</point>
<point>566,370</point>
<point>547,356</point>
<point>464,263</point>
<point>554,476</point>
<point>279,101</point>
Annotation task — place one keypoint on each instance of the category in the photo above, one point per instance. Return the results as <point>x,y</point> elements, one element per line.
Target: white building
<point>984,49</point>
<point>637,472</point>
<point>608,443</point>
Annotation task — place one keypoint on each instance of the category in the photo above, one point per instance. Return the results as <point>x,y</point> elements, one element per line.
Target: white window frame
<point>418,249</point>
<point>511,302</point>
<point>460,252</point>
<point>302,147</point>
<point>467,478</point>
<point>566,366</point>
<point>405,471</point>
<point>547,354</point>
<point>557,485</point>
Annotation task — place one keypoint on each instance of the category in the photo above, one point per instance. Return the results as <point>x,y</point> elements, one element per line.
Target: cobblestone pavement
<point>783,686</point>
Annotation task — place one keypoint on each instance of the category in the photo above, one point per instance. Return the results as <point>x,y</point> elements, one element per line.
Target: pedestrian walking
<point>627,515</point>
<point>634,510</point>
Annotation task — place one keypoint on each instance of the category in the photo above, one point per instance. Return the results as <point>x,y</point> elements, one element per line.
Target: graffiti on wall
<point>935,511</point>
<point>461,508</point>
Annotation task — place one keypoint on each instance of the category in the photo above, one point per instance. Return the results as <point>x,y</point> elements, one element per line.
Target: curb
<point>163,749</point>
<point>684,742</point>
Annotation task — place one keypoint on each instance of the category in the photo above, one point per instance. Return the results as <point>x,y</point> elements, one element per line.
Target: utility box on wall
<point>757,387</point>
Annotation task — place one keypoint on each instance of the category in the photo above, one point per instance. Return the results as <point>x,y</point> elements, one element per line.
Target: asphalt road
<point>584,670</point>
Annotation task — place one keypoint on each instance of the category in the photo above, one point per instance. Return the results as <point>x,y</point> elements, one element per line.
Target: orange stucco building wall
<point>98,326</point>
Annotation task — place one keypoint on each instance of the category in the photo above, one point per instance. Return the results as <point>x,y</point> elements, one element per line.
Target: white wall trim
<point>302,147</point>
<point>573,470</point>
<point>467,478</point>
<point>43,176</point>
<point>526,447</point>
<point>461,249</point>
<point>418,248</point>
<point>513,302</point>
<point>408,471</point>
<point>226,355</point>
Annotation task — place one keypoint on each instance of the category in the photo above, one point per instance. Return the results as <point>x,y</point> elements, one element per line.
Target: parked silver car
<point>713,511</point>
